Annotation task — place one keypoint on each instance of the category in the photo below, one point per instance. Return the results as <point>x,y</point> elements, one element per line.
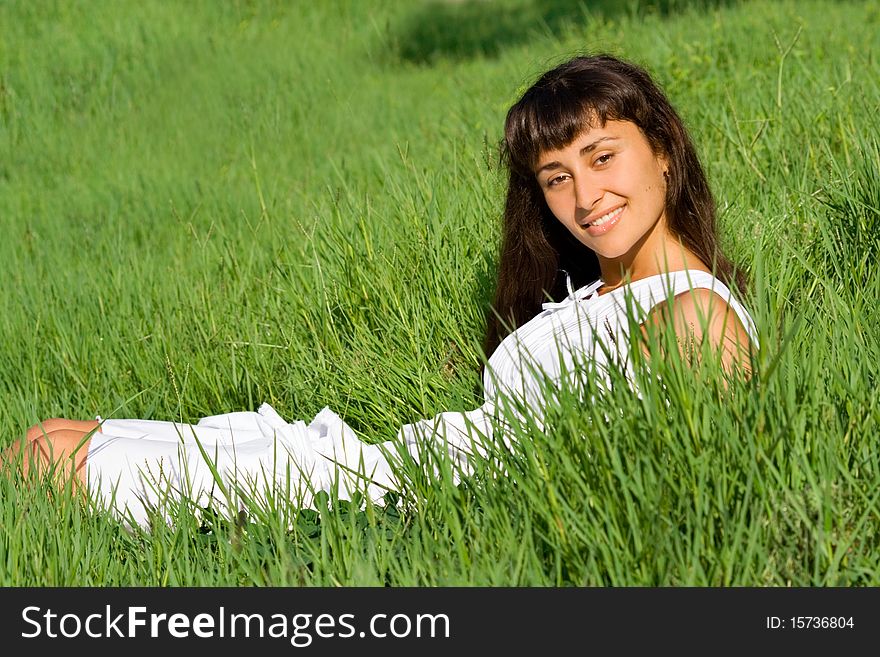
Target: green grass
<point>299,203</point>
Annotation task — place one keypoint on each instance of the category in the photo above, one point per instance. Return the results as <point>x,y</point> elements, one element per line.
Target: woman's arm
<point>699,317</point>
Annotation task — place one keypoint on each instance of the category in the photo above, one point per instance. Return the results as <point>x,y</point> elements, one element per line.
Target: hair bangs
<point>550,117</point>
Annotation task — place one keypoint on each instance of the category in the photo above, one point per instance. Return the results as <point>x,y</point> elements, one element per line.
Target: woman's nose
<point>586,193</point>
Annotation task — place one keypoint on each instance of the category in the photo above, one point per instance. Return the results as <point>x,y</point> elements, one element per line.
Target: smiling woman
<point>604,181</point>
<point>609,189</point>
<point>605,189</point>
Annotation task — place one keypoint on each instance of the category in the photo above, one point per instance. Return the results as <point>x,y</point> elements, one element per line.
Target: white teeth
<point>605,218</point>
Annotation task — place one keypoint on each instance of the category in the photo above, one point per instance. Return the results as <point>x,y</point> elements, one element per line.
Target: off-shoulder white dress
<point>136,465</point>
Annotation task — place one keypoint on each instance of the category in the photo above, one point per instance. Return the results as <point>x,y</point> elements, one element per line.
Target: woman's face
<point>608,188</point>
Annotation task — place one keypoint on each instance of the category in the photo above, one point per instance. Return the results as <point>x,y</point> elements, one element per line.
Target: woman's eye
<point>604,159</point>
<point>556,180</point>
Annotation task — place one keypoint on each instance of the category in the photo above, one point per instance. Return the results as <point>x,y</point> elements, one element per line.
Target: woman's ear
<point>663,162</point>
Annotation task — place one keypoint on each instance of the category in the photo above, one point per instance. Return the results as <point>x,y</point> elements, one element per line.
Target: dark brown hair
<point>536,250</point>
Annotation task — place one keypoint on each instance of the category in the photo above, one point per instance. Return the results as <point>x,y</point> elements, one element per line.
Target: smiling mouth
<point>605,218</point>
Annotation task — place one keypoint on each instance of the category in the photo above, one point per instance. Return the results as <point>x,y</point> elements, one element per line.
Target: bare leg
<point>59,424</point>
<point>60,453</point>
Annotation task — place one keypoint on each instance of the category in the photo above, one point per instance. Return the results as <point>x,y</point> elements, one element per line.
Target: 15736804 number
<point>821,622</point>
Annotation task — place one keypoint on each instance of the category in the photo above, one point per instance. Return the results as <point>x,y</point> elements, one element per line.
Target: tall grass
<point>299,203</point>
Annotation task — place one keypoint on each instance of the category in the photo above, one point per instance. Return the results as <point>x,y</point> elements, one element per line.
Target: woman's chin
<point>611,252</point>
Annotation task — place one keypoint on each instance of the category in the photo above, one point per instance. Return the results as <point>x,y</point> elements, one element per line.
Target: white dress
<point>136,465</point>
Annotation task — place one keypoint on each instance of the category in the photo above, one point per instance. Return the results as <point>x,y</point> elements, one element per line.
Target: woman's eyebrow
<point>592,145</point>
<point>548,166</point>
<point>586,149</point>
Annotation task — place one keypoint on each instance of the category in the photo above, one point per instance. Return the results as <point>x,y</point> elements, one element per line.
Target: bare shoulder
<point>701,316</point>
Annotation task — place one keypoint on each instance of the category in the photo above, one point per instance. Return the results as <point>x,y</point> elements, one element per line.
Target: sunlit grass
<point>286,202</point>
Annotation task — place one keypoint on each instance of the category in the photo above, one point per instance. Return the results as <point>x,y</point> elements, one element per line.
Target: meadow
<point>299,203</point>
